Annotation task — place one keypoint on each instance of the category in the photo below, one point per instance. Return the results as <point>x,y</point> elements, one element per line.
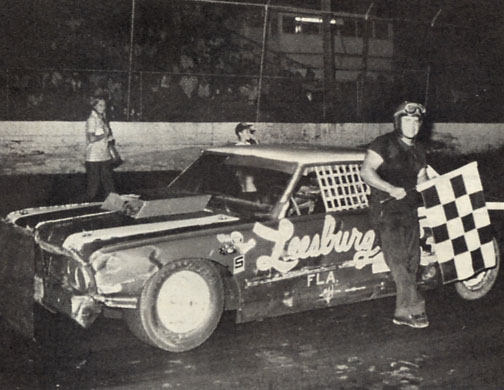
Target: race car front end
<point>36,271</point>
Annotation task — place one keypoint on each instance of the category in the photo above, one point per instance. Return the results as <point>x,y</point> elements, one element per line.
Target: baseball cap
<point>242,126</point>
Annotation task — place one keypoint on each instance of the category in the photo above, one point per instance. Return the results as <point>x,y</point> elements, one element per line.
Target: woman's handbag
<point>114,154</point>
<point>116,159</point>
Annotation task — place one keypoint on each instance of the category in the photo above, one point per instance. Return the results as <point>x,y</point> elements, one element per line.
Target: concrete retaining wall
<point>58,147</point>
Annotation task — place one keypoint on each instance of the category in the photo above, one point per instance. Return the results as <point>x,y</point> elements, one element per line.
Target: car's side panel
<point>322,259</point>
<point>312,262</point>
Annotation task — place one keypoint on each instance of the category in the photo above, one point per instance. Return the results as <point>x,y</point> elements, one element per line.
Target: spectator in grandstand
<point>173,103</point>
<point>250,91</point>
<point>204,89</point>
<point>189,84</point>
<point>34,106</point>
<point>98,159</point>
<point>116,102</point>
<point>310,75</point>
<point>245,133</point>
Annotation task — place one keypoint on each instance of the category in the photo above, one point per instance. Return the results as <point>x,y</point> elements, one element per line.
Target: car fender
<point>124,268</point>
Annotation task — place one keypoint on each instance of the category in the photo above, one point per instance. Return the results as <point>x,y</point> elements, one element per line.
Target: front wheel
<point>480,284</point>
<point>180,306</point>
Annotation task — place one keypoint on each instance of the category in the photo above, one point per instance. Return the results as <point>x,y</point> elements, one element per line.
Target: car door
<point>323,251</point>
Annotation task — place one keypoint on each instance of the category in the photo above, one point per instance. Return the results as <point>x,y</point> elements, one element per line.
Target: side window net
<point>342,187</point>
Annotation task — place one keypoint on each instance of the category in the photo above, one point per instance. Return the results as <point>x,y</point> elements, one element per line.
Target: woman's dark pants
<point>99,172</point>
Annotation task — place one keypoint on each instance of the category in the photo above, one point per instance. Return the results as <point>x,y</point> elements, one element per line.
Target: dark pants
<point>400,243</point>
<point>98,172</point>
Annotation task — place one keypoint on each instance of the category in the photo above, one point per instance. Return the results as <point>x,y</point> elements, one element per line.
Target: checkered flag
<point>457,214</point>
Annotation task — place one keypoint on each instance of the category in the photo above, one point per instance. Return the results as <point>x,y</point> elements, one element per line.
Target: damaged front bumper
<point>83,309</point>
<point>31,272</point>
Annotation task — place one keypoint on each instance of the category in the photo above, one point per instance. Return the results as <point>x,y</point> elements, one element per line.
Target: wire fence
<point>211,61</point>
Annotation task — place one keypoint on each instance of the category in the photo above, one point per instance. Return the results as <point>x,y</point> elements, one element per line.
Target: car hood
<point>83,228</point>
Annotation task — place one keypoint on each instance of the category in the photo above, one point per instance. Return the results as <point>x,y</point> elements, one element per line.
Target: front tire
<point>480,284</point>
<point>180,306</point>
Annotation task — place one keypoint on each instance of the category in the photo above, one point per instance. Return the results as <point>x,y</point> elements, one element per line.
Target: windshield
<point>256,183</point>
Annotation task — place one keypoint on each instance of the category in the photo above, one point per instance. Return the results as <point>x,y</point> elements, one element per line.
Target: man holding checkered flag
<point>395,163</point>
<point>456,212</point>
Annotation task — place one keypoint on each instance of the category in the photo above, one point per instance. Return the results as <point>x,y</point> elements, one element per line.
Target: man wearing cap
<point>245,133</point>
<point>394,164</point>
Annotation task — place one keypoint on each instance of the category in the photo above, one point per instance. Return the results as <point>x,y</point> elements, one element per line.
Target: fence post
<point>328,56</point>
<point>365,56</point>
<point>7,95</point>
<point>140,103</point>
<point>131,51</point>
<point>429,61</point>
<point>261,69</point>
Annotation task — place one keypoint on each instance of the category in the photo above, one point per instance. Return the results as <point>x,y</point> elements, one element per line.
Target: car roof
<point>300,154</point>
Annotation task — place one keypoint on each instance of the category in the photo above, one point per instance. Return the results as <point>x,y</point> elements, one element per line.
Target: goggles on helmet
<point>408,108</point>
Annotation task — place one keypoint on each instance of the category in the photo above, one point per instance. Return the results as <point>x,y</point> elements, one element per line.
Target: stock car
<point>260,230</point>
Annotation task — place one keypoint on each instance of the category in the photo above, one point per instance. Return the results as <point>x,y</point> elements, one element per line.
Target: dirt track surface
<point>348,347</point>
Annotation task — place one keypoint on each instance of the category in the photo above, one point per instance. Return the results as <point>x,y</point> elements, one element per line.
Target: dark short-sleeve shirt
<point>400,167</point>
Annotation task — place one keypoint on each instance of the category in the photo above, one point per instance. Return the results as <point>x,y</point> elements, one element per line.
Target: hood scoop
<point>134,207</point>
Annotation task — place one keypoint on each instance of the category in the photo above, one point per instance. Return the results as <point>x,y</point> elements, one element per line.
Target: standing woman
<point>98,159</point>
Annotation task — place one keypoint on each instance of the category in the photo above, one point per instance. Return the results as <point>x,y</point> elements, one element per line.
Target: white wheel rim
<point>475,282</point>
<point>184,303</point>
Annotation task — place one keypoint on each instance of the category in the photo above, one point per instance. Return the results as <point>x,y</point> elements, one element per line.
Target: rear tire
<point>180,306</point>
<point>480,284</point>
